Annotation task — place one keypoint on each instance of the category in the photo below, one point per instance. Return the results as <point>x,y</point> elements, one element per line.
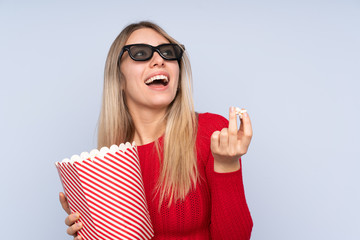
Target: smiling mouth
<point>157,80</point>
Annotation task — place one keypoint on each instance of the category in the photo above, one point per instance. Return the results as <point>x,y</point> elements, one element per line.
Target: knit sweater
<point>215,209</point>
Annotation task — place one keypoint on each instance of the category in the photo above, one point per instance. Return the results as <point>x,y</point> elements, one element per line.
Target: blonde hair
<point>178,164</point>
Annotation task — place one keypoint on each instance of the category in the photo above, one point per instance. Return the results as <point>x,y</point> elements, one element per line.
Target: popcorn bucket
<point>106,188</point>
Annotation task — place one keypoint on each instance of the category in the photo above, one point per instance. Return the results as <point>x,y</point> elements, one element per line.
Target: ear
<point>179,83</point>
<point>122,82</point>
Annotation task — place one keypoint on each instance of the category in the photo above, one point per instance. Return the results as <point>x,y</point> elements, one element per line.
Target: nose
<point>157,60</point>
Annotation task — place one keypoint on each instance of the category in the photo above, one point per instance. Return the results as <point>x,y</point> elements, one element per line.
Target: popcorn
<point>239,111</point>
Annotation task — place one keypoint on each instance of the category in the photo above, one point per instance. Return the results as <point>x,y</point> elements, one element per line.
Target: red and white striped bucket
<point>106,188</point>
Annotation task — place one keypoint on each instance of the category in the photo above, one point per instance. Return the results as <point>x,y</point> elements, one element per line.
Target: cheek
<point>176,73</point>
<point>131,74</point>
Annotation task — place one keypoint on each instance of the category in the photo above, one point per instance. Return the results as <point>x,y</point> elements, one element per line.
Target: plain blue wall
<point>293,64</point>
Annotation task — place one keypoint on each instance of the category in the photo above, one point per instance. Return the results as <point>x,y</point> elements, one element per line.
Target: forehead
<point>148,36</point>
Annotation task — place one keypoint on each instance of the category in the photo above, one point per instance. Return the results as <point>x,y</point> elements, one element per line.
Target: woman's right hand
<point>71,219</point>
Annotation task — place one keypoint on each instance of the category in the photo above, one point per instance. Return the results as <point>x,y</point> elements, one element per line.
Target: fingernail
<point>79,224</point>
<point>232,109</point>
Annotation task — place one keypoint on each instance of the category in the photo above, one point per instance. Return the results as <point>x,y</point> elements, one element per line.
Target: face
<point>145,81</point>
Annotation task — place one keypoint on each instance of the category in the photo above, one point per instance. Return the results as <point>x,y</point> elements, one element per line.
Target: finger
<point>215,140</point>
<point>72,218</point>
<point>78,237</point>
<point>74,229</point>
<point>224,138</point>
<point>232,127</point>
<point>246,125</point>
<point>246,133</point>
<point>64,203</point>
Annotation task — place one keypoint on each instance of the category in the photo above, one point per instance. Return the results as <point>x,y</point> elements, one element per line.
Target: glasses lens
<point>170,51</point>
<point>140,52</point>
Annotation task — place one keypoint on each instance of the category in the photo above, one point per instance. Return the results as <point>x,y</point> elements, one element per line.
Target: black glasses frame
<point>180,48</point>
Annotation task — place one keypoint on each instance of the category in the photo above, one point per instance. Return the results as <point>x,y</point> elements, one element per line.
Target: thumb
<point>64,203</point>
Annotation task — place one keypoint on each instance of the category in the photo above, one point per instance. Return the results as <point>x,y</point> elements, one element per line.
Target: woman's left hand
<point>229,144</point>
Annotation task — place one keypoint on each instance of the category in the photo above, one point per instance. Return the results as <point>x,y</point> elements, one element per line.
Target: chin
<point>161,103</point>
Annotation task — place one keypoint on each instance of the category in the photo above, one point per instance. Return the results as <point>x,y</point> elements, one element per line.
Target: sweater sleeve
<point>230,216</point>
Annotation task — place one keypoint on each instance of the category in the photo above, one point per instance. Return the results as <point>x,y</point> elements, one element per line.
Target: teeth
<point>157,77</point>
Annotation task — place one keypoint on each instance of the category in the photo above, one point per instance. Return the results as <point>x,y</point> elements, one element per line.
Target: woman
<point>190,162</point>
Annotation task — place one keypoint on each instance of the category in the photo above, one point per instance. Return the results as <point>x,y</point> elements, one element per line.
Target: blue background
<point>295,65</point>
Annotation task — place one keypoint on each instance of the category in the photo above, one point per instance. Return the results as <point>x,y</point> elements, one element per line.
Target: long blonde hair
<point>178,165</point>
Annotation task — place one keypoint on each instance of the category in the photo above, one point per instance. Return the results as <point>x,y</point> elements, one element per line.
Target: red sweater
<point>216,209</point>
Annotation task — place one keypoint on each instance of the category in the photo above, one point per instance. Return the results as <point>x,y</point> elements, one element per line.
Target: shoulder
<point>210,122</point>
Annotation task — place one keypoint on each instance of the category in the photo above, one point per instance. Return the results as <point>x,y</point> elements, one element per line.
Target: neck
<point>149,125</point>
